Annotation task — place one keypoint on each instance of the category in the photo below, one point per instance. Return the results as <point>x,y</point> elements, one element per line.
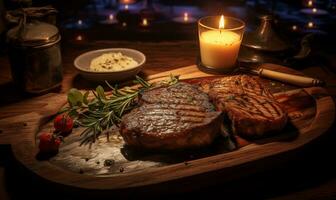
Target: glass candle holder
<point>219,40</point>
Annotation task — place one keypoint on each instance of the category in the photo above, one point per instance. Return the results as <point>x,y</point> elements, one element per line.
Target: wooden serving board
<point>108,165</point>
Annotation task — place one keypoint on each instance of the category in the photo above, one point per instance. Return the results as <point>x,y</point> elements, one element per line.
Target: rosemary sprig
<point>98,114</point>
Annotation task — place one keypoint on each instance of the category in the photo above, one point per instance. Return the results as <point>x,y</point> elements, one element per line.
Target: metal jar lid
<point>33,34</point>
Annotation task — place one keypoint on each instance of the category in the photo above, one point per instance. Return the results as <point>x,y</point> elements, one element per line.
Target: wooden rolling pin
<point>297,80</point>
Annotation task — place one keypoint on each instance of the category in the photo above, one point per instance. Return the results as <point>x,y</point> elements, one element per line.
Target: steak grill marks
<point>247,95</point>
<point>181,116</point>
<point>167,119</point>
<point>172,109</point>
<point>251,108</point>
<point>181,95</point>
<point>171,117</point>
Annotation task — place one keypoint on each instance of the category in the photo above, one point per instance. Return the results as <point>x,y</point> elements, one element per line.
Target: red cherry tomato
<point>48,143</point>
<point>63,124</point>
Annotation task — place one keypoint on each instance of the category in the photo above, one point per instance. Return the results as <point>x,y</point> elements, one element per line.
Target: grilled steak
<point>171,117</point>
<point>251,108</point>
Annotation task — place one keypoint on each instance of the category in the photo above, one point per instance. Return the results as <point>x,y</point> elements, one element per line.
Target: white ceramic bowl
<point>83,61</point>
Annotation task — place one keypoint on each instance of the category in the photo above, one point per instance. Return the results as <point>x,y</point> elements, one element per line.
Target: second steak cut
<point>171,117</point>
<point>251,108</point>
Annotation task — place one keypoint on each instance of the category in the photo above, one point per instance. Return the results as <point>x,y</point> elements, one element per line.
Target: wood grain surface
<point>311,111</point>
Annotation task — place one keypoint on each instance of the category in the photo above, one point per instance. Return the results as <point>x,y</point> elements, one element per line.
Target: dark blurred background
<point>85,20</point>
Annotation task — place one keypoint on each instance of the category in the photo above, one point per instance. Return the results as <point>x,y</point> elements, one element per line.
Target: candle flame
<point>310,24</point>
<point>310,3</point>
<point>111,17</point>
<point>144,22</point>
<point>185,16</point>
<point>314,10</point>
<point>222,22</point>
<point>79,38</point>
<point>126,7</point>
<point>80,22</point>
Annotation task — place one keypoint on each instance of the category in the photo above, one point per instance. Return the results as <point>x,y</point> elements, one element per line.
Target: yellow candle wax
<point>219,48</point>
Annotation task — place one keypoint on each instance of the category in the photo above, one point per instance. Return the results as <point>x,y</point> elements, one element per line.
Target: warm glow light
<point>111,17</point>
<point>221,22</point>
<point>124,24</point>
<point>310,24</point>
<point>144,22</point>
<point>126,7</point>
<point>127,1</point>
<point>294,27</point>
<point>314,10</point>
<point>79,38</point>
<point>185,17</point>
<point>310,3</point>
<point>80,22</point>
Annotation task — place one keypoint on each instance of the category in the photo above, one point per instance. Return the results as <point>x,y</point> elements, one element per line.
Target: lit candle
<point>294,27</point>
<point>144,22</point>
<point>124,24</point>
<point>310,3</point>
<point>79,38</point>
<point>111,17</point>
<point>314,10</point>
<point>185,17</point>
<point>310,24</point>
<point>80,22</point>
<point>127,1</point>
<point>126,7</point>
<point>219,47</point>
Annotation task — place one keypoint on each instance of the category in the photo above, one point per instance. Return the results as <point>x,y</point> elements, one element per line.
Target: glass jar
<point>219,40</point>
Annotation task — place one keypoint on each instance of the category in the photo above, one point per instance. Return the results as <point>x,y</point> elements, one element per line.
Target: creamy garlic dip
<point>112,62</point>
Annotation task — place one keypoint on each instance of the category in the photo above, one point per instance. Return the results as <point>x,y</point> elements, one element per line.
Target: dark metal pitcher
<point>264,45</point>
<point>35,56</point>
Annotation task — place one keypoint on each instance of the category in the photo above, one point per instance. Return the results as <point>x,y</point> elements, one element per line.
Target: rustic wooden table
<point>311,175</point>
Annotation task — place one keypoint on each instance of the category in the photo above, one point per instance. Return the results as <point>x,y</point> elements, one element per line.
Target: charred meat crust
<point>174,117</point>
<point>251,108</point>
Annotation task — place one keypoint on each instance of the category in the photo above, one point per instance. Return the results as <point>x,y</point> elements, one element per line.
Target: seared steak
<point>251,108</point>
<point>171,117</point>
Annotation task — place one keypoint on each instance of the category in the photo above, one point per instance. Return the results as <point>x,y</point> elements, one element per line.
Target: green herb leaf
<point>85,98</point>
<point>75,97</point>
<point>100,92</point>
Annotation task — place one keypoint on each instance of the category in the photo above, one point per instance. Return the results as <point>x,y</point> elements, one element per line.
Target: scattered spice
<point>121,169</point>
<point>87,159</point>
<point>97,162</point>
<point>108,162</point>
<point>24,124</point>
